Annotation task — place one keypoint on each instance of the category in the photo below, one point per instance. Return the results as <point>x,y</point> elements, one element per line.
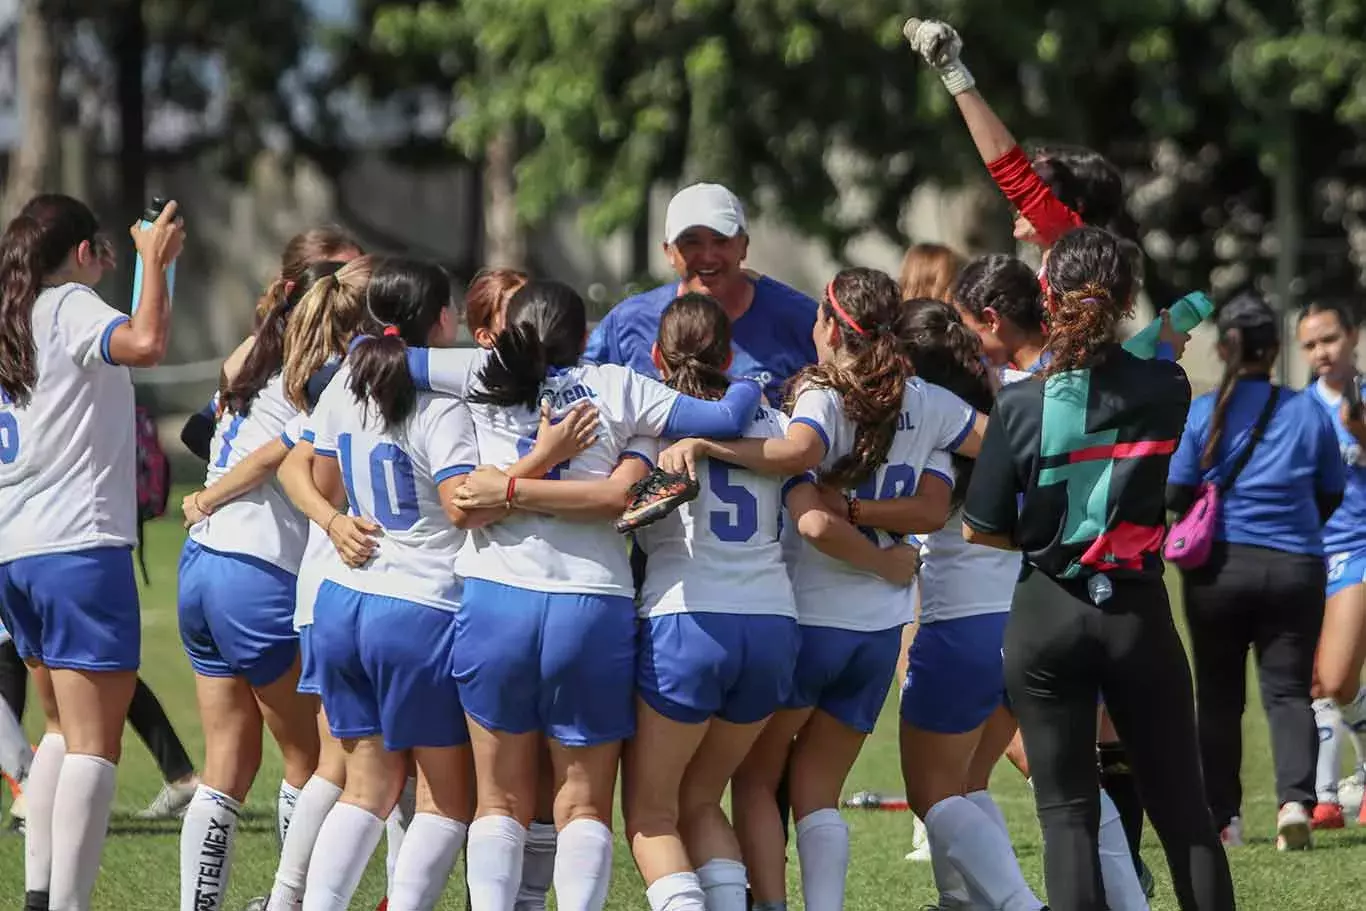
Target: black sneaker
<point>654,497</point>
<point>35,901</point>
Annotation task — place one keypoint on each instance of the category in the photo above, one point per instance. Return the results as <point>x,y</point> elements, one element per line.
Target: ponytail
<point>1232,341</point>
<point>545,327</point>
<point>20,280</point>
<point>324,322</point>
<point>514,374</point>
<point>694,346</point>
<point>379,373</point>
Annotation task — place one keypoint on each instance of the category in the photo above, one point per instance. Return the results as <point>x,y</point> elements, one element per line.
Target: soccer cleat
<point>35,901</point>
<point>655,496</point>
<point>1231,836</point>
<point>383,904</point>
<point>171,801</point>
<point>1293,829</point>
<point>1328,816</point>
<point>258,904</point>
<point>920,843</point>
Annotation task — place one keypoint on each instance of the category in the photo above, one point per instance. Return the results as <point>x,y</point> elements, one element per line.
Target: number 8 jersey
<point>932,423</point>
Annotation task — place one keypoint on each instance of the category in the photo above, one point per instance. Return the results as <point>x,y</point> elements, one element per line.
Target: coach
<point>706,241</point>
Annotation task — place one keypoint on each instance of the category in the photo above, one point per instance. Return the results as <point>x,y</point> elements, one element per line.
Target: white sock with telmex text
<point>493,862</point>
<point>538,867</point>
<point>1123,891</point>
<point>285,801</point>
<point>723,883</point>
<point>345,845</point>
<point>80,822</point>
<point>40,792</point>
<point>316,799</point>
<point>975,844</point>
<point>583,866</point>
<point>207,834</point>
<point>1328,720</point>
<point>430,847</point>
<point>823,853</point>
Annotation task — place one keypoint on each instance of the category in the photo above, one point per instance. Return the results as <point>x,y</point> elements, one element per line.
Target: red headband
<point>839,311</point>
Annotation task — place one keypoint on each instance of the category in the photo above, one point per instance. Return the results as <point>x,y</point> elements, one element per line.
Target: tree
<point>36,67</point>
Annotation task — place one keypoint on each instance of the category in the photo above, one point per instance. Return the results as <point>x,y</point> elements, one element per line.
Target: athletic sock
<point>1118,781</point>
<point>346,842</point>
<point>493,859</point>
<point>285,802</point>
<point>1123,891</point>
<point>823,852</point>
<point>395,828</point>
<point>983,801</point>
<point>953,888</point>
<point>982,853</point>
<point>583,864</point>
<point>80,823</point>
<point>206,841</point>
<point>1328,719</point>
<point>723,883</point>
<point>310,811</point>
<point>538,867</point>
<point>430,847</point>
<point>16,756</point>
<point>679,892</point>
<point>40,792</point>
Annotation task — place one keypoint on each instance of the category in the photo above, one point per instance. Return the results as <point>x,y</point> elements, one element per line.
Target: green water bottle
<point>1187,313</point>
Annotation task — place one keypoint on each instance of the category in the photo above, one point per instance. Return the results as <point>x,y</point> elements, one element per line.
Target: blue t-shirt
<point>771,340</point>
<point>1346,530</point>
<point>1272,504</point>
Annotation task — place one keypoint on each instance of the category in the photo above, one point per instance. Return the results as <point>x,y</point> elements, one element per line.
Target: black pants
<point>1061,653</point>
<point>145,714</point>
<point>1272,602</point>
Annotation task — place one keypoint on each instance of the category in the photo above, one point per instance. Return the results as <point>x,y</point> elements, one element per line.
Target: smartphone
<point>1353,396</point>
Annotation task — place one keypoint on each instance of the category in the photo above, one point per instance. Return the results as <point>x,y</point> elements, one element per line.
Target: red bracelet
<point>512,489</point>
<point>853,504</point>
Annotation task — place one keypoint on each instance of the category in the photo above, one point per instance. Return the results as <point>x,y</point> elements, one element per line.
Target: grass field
<point>141,859</point>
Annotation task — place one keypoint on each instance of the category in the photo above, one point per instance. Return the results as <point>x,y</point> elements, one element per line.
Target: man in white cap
<point>706,241</point>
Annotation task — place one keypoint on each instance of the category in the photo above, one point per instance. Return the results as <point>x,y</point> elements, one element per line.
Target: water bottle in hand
<point>149,215</point>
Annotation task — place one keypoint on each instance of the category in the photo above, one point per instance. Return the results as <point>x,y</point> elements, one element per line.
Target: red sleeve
<point>1032,197</point>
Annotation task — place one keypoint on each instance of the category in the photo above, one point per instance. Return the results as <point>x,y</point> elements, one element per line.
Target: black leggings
<point>1272,602</point>
<point>1061,652</point>
<point>145,714</point>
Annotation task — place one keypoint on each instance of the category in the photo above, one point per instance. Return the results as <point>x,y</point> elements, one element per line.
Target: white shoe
<point>1232,834</point>
<point>1292,828</point>
<point>1350,792</point>
<point>920,842</point>
<point>171,801</point>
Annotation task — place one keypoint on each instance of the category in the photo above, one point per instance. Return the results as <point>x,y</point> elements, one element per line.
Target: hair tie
<point>390,331</point>
<point>839,311</point>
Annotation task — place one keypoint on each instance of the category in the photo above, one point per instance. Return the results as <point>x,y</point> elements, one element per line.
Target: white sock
<point>723,883</point>
<point>395,827</point>
<point>1358,747</point>
<point>583,863</point>
<point>40,792</point>
<point>1123,891</point>
<point>1354,712</point>
<point>676,892</point>
<point>1328,719</point>
<point>983,801</point>
<point>285,802</point>
<point>206,840</point>
<point>80,822</point>
<point>982,853</point>
<point>823,852</point>
<point>430,847</point>
<point>16,756</point>
<point>346,842</point>
<point>953,888</point>
<point>493,861</point>
<point>538,867</point>
<point>315,801</point>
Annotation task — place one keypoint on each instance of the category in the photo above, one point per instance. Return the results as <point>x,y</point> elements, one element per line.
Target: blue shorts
<point>845,674</point>
<point>384,665</point>
<point>74,611</point>
<point>308,667</point>
<point>737,667</point>
<point>236,615</point>
<point>1345,570</point>
<point>955,677</point>
<point>563,664</point>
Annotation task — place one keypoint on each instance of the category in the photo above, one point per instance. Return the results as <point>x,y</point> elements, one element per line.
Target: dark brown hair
<point>1004,284</point>
<point>927,271</point>
<point>694,344</point>
<point>405,297</point>
<point>871,376</point>
<point>35,244</point>
<point>488,295</point>
<point>1091,284</point>
<point>302,251</point>
<point>545,327</point>
<point>1248,337</point>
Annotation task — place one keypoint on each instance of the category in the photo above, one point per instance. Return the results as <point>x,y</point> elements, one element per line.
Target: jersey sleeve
<point>645,448</point>
<point>1330,475</point>
<point>324,424</point>
<point>820,409</point>
<point>447,439</point>
<point>600,347</point>
<point>297,430</point>
<point>447,370</point>
<point>948,417</point>
<point>1031,197</point>
<point>1184,468</point>
<point>85,324</point>
<point>648,402</point>
<point>991,505</point>
<point>940,465</point>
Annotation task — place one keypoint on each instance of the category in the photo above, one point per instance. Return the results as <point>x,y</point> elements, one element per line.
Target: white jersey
<point>546,553</point>
<point>68,458</point>
<point>261,523</point>
<point>319,554</point>
<point>391,477</point>
<point>720,553</point>
<point>932,422</point>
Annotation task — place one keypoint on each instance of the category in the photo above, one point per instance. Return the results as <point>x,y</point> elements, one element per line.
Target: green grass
<point>141,859</point>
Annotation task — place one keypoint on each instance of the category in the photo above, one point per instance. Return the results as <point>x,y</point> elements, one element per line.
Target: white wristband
<point>956,78</point>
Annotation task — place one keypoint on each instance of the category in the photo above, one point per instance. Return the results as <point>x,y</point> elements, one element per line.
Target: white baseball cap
<point>704,205</point>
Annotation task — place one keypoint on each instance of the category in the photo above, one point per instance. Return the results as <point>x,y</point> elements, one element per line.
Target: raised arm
<point>141,342</point>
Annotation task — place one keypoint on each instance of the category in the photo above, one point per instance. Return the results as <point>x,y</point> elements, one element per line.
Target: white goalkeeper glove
<point>938,43</point>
